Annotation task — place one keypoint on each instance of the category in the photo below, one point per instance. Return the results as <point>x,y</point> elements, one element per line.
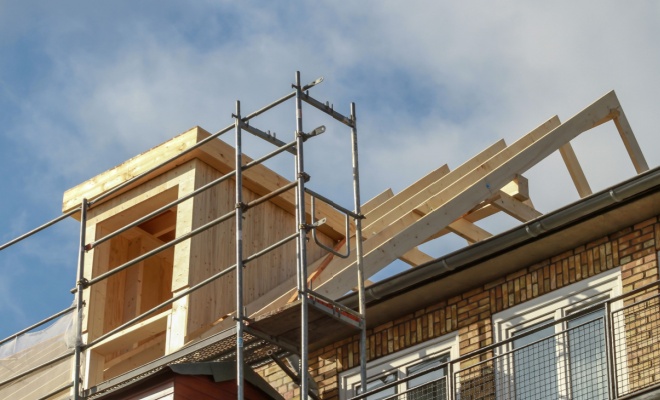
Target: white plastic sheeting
<point>63,327</point>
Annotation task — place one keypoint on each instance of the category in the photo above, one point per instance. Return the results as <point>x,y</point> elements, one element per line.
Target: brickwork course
<point>635,249</point>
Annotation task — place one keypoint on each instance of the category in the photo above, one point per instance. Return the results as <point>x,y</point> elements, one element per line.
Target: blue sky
<point>85,86</point>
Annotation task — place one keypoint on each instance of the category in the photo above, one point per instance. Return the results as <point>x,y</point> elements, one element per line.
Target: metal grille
<point>535,364</point>
<point>636,329</point>
<point>571,364</point>
<point>433,390</point>
<point>608,350</point>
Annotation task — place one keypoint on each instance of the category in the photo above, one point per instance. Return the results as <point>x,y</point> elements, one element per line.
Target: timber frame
<point>157,258</point>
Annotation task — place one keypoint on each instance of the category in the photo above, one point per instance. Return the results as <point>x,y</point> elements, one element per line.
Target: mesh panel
<point>587,361</point>
<point>571,364</point>
<point>432,390</point>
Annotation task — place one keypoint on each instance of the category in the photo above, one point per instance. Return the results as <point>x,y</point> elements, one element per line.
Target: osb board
<point>215,250</point>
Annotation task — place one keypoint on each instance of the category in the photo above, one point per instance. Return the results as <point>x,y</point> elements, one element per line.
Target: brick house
<point>586,275</point>
<point>563,306</point>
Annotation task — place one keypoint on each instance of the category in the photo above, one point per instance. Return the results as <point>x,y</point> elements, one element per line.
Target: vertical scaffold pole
<point>301,243</point>
<point>80,286</point>
<point>610,352</point>
<point>358,250</point>
<point>239,255</point>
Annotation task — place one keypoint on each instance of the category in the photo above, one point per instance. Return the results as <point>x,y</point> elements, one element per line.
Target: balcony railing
<point>610,350</point>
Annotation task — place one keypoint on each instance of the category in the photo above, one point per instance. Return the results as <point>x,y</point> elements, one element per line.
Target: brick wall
<point>635,249</point>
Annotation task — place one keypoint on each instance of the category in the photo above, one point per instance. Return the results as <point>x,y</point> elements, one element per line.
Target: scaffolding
<point>249,342</point>
<point>442,202</point>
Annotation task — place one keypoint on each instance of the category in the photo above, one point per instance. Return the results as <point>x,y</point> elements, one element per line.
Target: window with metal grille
<point>565,359</point>
<point>426,362</point>
<point>562,360</point>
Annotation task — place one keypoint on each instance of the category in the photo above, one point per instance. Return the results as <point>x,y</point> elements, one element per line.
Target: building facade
<point>583,322</point>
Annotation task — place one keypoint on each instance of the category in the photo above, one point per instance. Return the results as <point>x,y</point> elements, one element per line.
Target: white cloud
<point>434,82</point>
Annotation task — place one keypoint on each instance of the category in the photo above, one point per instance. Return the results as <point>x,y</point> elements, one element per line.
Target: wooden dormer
<point>141,287</point>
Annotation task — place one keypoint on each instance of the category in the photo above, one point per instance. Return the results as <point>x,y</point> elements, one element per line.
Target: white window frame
<point>556,305</point>
<point>399,361</point>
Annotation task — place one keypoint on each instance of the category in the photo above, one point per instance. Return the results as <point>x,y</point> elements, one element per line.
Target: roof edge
<point>548,223</point>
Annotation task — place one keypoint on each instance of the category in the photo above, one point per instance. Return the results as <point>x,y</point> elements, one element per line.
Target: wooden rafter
<point>468,230</point>
<point>395,210</point>
<point>514,207</point>
<point>461,197</point>
<point>575,170</point>
<point>405,228</point>
<point>458,199</point>
<point>629,140</point>
<point>415,256</point>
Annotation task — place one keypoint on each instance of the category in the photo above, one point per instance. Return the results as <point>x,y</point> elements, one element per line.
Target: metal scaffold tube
<point>302,243</point>
<point>192,289</point>
<point>239,255</point>
<point>80,284</point>
<point>39,229</point>
<point>358,248</point>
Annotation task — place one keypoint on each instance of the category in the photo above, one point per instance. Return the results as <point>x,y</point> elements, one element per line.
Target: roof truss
<point>452,201</point>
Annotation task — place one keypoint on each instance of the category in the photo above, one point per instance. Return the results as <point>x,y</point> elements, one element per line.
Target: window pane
<point>435,390</point>
<point>587,359</point>
<point>535,366</point>
<point>425,365</point>
<point>376,383</point>
<point>427,386</point>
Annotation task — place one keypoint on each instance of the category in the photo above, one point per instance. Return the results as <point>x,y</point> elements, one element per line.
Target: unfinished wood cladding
<point>634,249</point>
<point>217,154</point>
<point>129,293</point>
<point>263,225</point>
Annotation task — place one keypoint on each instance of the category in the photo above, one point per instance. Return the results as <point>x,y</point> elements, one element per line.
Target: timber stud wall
<point>634,248</point>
